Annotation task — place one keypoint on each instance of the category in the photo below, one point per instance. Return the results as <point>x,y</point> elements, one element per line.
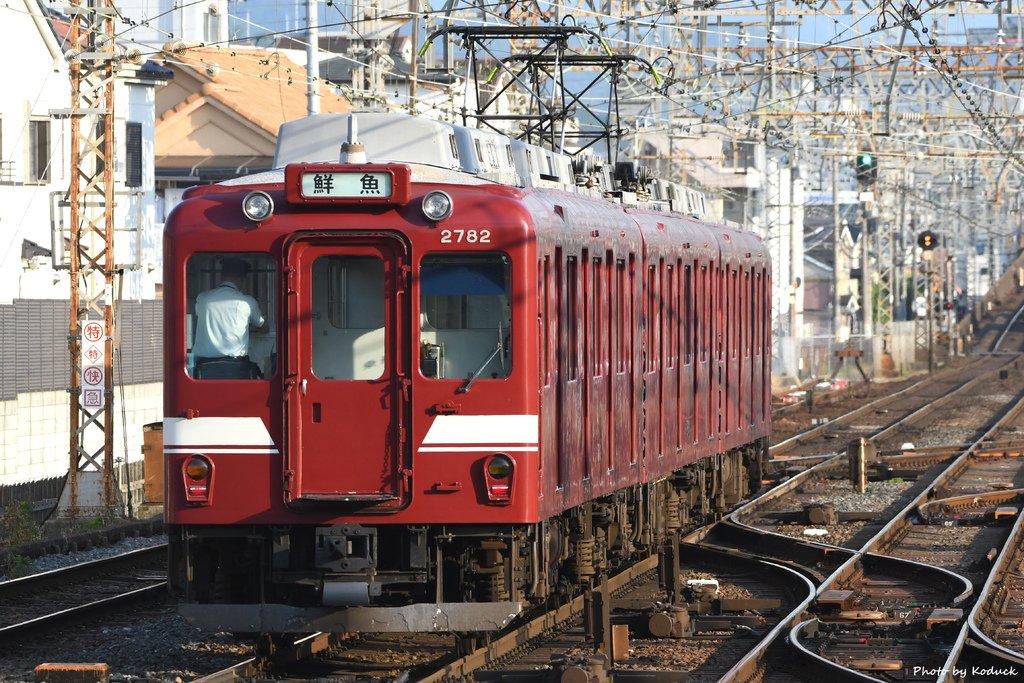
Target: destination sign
<point>357,185</point>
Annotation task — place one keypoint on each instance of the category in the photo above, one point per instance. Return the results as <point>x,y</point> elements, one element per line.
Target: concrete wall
<point>35,373</point>
<point>34,436</point>
<point>901,349</point>
<point>1008,284</point>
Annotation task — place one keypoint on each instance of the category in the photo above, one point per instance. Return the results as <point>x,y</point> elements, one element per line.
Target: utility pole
<point>929,275</point>
<point>796,246</point>
<point>778,225</point>
<point>90,488</point>
<point>949,302</point>
<point>866,277</point>
<point>837,250</point>
<point>312,59</point>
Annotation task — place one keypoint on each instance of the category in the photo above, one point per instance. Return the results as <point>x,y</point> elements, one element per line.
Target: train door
<point>702,385</point>
<point>571,399</point>
<point>346,374</point>
<point>651,362</point>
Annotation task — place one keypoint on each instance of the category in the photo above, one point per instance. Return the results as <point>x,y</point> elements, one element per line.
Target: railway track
<point>892,589</point>
<point>884,615</point>
<point>994,637</point>
<point>817,498</point>
<point>855,574</point>
<point>56,597</point>
<point>945,499</point>
<point>721,620</point>
<point>900,414</point>
<point>906,606</point>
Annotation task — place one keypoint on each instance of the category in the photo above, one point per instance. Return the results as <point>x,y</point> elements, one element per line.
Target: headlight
<point>257,206</point>
<point>197,467</point>
<point>499,466</point>
<point>197,478</point>
<point>499,475</point>
<point>437,205</point>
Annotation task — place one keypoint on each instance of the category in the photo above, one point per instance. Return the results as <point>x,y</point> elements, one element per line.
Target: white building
<point>33,148</point>
<point>35,176</point>
<point>150,24</point>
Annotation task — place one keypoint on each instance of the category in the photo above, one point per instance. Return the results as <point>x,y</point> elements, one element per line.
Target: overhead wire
<point>349,23</point>
<point>710,96</point>
<point>483,8</point>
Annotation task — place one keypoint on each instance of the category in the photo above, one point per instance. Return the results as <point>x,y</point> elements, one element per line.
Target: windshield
<point>465,317</point>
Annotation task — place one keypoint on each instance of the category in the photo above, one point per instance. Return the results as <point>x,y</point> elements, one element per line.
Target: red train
<point>488,377</point>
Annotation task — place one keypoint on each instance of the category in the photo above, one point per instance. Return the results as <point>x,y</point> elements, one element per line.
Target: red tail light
<point>499,473</point>
<point>197,476</point>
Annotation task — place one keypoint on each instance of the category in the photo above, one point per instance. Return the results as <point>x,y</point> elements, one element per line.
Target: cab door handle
<point>302,387</point>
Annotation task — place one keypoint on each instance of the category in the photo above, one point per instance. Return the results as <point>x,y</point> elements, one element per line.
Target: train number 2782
<point>467,236</point>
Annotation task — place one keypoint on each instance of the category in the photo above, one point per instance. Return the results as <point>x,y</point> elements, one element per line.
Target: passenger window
<point>465,318</point>
<point>230,320</point>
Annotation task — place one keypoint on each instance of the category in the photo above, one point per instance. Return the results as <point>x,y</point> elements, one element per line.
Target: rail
<point>746,668</point>
<point>999,340</point>
<point>67,604</point>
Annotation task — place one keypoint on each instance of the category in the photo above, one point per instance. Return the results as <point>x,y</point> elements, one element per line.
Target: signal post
<point>927,241</point>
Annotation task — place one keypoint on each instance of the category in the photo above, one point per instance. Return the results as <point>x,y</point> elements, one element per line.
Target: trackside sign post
<point>92,363</point>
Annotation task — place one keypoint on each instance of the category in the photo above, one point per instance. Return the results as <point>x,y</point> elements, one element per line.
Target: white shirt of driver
<point>223,316</point>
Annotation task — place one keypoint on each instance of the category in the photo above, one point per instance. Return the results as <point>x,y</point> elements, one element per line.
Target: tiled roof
<point>263,86</point>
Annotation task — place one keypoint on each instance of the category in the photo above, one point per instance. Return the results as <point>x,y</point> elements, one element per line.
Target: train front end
<point>370,464</point>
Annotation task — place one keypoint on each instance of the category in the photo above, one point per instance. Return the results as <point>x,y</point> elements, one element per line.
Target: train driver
<point>224,316</point>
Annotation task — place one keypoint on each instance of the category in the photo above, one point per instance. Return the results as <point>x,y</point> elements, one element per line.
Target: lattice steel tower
<point>92,61</point>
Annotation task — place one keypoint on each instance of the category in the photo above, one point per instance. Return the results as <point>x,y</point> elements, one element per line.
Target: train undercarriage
<point>438,577</point>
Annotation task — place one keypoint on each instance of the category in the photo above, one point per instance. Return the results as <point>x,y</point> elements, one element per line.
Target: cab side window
<point>230,320</point>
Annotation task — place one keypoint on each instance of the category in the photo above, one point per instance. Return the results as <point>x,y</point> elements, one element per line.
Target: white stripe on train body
<point>217,434</point>
<point>469,433</point>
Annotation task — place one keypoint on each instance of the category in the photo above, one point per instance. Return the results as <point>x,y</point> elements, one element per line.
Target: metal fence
<point>799,359</point>
<point>42,495</point>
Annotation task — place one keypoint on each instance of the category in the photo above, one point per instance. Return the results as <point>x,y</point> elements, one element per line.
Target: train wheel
<point>269,645</point>
<point>467,643</point>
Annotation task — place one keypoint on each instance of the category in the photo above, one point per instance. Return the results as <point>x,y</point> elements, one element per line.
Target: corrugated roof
<point>263,86</point>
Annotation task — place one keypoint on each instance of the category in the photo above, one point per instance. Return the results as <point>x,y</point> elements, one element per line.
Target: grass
<point>17,525</point>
